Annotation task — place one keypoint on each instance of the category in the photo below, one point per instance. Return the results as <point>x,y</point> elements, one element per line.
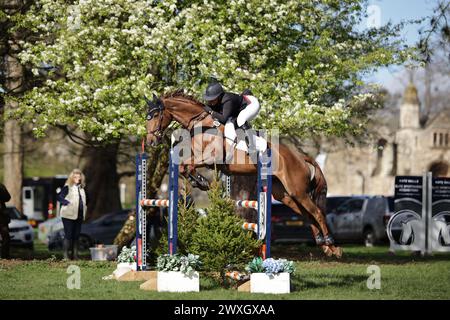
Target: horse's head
<point>158,119</point>
<point>177,106</point>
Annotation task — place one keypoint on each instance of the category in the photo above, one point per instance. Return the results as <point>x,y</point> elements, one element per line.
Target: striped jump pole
<point>250,226</point>
<point>247,204</point>
<point>154,202</point>
<point>236,275</point>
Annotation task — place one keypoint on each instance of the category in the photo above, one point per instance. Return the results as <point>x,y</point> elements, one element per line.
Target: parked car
<point>288,226</point>
<point>361,219</point>
<point>102,230</point>
<point>20,231</point>
<point>335,201</point>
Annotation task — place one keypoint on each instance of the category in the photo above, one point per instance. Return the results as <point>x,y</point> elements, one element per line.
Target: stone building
<point>414,146</point>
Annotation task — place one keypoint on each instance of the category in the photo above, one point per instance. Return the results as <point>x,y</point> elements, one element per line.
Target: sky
<point>396,11</point>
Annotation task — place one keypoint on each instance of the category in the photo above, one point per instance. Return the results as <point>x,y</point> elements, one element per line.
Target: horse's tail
<point>319,187</point>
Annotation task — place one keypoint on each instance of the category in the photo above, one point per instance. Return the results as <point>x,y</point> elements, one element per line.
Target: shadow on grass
<point>326,280</point>
<point>41,252</point>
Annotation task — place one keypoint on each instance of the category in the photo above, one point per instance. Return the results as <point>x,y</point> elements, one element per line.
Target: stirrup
<point>246,126</point>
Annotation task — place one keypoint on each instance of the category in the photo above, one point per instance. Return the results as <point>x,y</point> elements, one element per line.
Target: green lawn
<point>42,275</point>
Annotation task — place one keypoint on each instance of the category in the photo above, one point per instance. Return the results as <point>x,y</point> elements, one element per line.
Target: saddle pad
<point>230,134</point>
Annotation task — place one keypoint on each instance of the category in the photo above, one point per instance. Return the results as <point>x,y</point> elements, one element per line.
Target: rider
<point>229,109</point>
<point>225,106</point>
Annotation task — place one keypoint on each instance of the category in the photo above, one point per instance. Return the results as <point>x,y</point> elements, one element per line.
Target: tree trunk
<point>12,140</point>
<point>13,159</point>
<point>102,180</point>
<point>244,188</point>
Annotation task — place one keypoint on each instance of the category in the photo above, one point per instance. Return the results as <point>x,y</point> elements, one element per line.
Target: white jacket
<point>70,211</point>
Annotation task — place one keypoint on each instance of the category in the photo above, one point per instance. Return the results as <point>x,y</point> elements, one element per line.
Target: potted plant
<point>177,273</point>
<point>127,258</point>
<point>270,275</point>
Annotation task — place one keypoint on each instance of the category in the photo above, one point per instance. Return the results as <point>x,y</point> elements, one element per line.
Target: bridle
<point>159,107</point>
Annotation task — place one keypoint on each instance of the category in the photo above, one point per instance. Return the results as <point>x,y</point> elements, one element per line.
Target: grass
<point>42,275</point>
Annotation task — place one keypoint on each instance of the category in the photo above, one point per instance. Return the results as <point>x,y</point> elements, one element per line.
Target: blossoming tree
<point>303,59</point>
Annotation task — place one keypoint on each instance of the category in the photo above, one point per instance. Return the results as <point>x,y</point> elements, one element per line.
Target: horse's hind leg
<point>280,195</point>
<point>307,203</point>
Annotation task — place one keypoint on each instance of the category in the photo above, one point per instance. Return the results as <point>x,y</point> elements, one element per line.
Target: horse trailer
<point>39,197</point>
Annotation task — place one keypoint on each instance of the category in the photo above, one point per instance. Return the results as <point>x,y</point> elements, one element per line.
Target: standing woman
<point>73,211</point>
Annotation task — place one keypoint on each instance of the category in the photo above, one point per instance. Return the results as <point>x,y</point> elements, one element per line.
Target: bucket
<point>104,253</point>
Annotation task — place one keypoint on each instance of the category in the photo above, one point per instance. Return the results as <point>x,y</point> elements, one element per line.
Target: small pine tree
<point>219,239</point>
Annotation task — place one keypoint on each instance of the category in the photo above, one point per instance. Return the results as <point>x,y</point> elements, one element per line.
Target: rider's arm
<point>227,111</point>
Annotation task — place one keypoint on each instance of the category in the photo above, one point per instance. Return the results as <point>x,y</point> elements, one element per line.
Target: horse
<point>298,181</point>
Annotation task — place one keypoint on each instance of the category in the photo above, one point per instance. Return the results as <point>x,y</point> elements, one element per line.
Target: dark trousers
<point>4,232</point>
<point>72,228</point>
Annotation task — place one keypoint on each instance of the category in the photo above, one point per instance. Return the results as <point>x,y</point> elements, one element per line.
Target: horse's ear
<point>149,103</point>
<point>155,98</point>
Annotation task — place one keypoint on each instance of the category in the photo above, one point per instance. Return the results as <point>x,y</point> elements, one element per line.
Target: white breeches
<point>250,111</point>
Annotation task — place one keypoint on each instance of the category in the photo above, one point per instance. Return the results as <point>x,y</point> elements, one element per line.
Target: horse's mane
<point>179,93</point>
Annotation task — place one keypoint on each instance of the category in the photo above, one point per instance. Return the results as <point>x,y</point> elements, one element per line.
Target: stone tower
<point>407,135</point>
<point>410,109</point>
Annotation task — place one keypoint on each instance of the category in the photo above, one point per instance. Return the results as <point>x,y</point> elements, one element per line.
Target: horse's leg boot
<point>199,181</point>
<point>329,240</point>
<point>319,240</point>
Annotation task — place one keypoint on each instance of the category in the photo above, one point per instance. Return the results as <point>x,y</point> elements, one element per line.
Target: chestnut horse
<point>298,180</point>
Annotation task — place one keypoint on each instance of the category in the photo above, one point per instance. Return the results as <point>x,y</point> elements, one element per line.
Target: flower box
<point>264,283</point>
<point>124,267</point>
<point>127,265</point>
<point>176,281</point>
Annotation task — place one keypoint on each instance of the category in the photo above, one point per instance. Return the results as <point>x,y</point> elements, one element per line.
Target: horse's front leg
<point>195,179</point>
<point>204,152</point>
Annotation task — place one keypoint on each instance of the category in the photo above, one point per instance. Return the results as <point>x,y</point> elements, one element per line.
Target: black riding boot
<point>66,248</point>
<point>248,138</point>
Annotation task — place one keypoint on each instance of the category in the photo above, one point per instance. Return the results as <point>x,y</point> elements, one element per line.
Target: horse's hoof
<point>337,251</point>
<point>327,250</point>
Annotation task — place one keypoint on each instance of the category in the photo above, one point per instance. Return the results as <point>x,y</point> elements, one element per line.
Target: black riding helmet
<point>213,91</point>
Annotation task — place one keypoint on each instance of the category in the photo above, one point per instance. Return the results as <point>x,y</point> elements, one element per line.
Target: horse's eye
<point>150,114</point>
